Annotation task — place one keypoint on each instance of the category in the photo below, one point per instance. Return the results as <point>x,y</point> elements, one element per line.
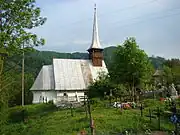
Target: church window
<point>65,95</point>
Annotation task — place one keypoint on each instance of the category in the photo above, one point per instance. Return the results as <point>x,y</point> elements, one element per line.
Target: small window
<point>65,95</point>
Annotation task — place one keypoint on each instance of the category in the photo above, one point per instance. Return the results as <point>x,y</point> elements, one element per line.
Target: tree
<point>120,91</point>
<point>15,97</point>
<point>167,75</point>
<point>131,65</point>
<point>174,65</point>
<point>100,86</point>
<point>17,17</point>
<point>6,93</point>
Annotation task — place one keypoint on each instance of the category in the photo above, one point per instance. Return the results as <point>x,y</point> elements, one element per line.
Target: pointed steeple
<point>95,50</point>
<point>95,36</point>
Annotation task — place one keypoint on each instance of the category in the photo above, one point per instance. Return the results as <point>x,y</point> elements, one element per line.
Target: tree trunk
<point>1,71</point>
<point>23,77</point>
<point>133,94</point>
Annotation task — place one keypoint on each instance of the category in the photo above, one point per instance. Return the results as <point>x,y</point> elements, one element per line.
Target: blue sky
<point>154,23</point>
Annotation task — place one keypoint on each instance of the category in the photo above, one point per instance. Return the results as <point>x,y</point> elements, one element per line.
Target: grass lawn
<point>108,121</point>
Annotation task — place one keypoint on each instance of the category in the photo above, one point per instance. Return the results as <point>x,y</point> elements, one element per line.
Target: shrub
<point>153,104</point>
<point>19,113</point>
<point>40,108</point>
<point>150,102</point>
<point>97,102</point>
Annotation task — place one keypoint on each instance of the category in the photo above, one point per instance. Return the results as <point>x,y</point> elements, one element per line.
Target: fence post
<point>158,114</point>
<point>110,94</point>
<point>141,108</point>
<point>150,115</point>
<point>176,128</point>
<point>85,107</point>
<point>71,110</point>
<point>90,117</point>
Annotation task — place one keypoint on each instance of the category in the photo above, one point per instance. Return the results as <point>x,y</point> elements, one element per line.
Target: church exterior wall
<point>70,93</point>
<point>38,96</point>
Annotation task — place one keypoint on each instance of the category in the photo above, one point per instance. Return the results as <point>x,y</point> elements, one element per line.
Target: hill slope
<point>35,60</point>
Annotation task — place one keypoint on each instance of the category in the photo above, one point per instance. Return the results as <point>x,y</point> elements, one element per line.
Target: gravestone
<point>173,91</point>
<point>164,91</point>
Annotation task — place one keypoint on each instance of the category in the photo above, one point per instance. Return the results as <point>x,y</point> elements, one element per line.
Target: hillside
<point>35,60</point>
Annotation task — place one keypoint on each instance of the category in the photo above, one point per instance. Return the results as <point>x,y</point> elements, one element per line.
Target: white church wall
<point>38,96</point>
<point>70,93</point>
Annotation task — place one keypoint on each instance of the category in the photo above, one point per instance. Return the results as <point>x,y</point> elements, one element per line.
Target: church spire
<point>95,50</point>
<point>95,36</point>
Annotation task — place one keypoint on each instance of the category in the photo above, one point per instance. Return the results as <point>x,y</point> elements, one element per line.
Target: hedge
<point>19,113</point>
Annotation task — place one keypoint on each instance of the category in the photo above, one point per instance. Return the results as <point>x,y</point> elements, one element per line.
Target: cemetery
<point>99,117</point>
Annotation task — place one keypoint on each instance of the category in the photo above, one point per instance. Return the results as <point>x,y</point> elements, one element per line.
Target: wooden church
<point>68,79</point>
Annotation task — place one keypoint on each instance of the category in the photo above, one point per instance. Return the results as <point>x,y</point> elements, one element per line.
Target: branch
<point>7,78</point>
<point>1,62</point>
<point>6,86</point>
<point>11,68</point>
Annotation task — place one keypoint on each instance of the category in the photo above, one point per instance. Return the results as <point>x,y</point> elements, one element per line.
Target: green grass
<point>108,121</point>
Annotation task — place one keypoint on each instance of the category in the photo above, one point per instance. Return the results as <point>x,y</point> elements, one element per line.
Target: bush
<point>153,104</point>
<point>19,113</point>
<point>97,102</point>
<point>40,108</point>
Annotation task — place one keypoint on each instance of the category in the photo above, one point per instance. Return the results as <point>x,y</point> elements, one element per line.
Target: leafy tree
<point>176,74</point>
<point>16,96</point>
<point>171,63</point>
<point>131,65</point>
<point>120,91</point>
<point>6,94</point>
<point>100,86</point>
<point>108,55</point>
<point>174,67</point>
<point>17,17</point>
<point>167,75</point>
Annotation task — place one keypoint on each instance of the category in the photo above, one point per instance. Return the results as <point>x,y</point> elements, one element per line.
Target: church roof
<point>45,79</point>
<point>67,74</point>
<point>95,37</point>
